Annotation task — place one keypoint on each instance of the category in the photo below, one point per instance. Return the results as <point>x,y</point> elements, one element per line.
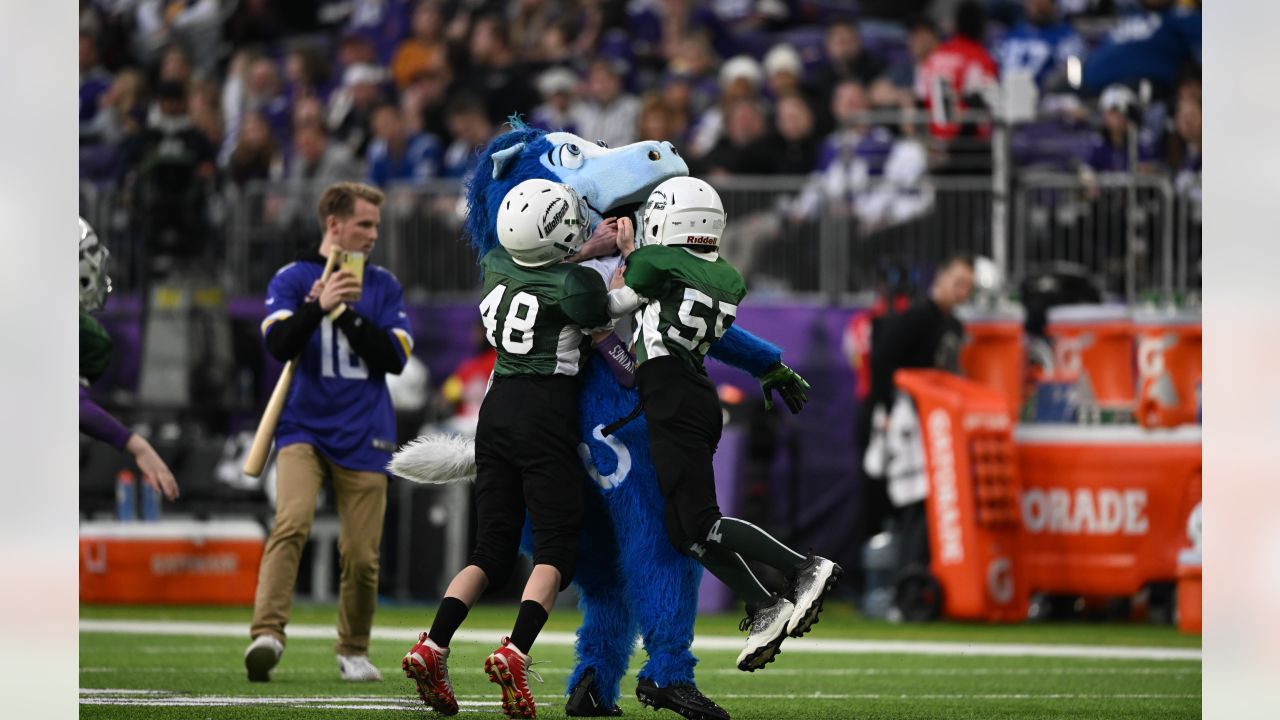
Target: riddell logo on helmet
<point>552,216</point>
<point>701,240</point>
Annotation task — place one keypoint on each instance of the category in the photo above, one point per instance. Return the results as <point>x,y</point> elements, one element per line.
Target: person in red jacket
<point>953,77</point>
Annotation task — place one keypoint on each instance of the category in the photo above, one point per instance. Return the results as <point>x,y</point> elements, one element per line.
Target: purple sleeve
<point>620,361</point>
<point>98,423</point>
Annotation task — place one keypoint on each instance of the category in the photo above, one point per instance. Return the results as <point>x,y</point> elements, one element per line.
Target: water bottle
<point>149,502</point>
<point>880,563</point>
<point>126,496</point>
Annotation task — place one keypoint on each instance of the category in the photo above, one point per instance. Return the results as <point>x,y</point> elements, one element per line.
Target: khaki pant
<point>362,503</point>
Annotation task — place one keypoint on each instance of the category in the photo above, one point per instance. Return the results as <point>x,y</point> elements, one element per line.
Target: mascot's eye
<point>571,156</point>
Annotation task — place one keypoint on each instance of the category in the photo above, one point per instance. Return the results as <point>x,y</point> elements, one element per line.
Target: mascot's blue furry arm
<point>630,578</point>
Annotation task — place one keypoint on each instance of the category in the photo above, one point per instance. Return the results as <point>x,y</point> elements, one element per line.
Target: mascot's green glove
<point>789,385</point>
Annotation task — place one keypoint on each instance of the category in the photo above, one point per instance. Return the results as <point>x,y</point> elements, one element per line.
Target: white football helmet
<point>683,211</point>
<point>542,222</point>
<point>94,281</point>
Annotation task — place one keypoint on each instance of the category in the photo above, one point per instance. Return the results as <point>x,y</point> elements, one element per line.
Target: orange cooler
<point>1095,343</point>
<point>1168,368</point>
<point>972,506</point>
<point>995,354</point>
<point>170,562</point>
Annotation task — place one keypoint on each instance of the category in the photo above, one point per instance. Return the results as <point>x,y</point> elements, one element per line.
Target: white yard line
<point>700,643</point>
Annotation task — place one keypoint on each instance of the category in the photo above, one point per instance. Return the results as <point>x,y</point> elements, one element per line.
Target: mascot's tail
<point>436,459</point>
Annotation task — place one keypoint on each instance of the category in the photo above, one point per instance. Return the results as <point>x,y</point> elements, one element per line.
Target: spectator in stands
<point>430,91</point>
<point>745,148</point>
<point>255,22</point>
<point>417,53</point>
<point>195,24</point>
<point>961,70</point>
<point>175,65</point>
<point>1184,151</point>
<point>255,155</point>
<point>659,122</point>
<point>922,39</point>
<point>112,137</point>
<point>783,71</point>
<point>470,128</point>
<point>693,64</point>
<point>494,73</point>
<point>94,81</point>
<point>1041,45</point>
<point>798,144</point>
<point>608,113</point>
<point>206,109</point>
<point>263,94</point>
<point>173,176</point>
<point>531,22</point>
<point>382,23</point>
<point>1153,43</point>
<point>317,160</point>
<point>305,74</point>
<point>845,58</point>
<point>740,79</point>
<point>1110,149</point>
<point>560,108</point>
<point>351,106</point>
<point>397,154</point>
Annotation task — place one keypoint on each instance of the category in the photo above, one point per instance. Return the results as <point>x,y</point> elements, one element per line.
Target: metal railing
<point>790,236</point>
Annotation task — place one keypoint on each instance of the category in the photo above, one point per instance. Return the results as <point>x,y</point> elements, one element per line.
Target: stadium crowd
<point>396,90</point>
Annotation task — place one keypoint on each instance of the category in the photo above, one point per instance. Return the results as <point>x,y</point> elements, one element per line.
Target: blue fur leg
<point>606,638</point>
<point>739,348</point>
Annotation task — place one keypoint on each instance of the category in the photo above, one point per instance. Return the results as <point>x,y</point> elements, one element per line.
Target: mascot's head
<point>613,181</point>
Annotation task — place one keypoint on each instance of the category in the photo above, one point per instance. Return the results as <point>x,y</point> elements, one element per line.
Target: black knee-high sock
<point>749,541</point>
<point>732,571</point>
<point>449,618</point>
<point>528,624</point>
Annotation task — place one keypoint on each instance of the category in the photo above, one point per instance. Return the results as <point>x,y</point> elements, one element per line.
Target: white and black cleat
<point>813,580</point>
<point>768,625</point>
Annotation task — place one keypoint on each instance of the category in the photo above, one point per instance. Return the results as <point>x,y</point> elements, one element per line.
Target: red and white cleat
<point>509,668</point>
<point>427,664</point>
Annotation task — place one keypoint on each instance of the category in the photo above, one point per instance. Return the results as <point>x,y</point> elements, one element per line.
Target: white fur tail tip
<point>436,460</point>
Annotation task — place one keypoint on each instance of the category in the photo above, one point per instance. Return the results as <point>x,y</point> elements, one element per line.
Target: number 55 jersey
<point>539,318</point>
<point>688,302</point>
<point>338,402</point>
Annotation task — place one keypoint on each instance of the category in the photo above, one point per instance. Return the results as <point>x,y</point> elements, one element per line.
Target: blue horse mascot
<point>631,580</point>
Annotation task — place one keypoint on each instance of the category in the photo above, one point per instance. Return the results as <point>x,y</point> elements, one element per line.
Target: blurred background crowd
<point>184,103</point>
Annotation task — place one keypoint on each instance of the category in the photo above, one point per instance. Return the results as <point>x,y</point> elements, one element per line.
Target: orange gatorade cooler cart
<point>1105,509</point>
<point>170,562</point>
<point>995,354</point>
<point>1094,343</point>
<point>1168,367</point>
<point>972,503</point>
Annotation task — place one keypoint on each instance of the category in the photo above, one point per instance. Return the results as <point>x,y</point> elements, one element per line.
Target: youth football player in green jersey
<point>684,296</point>
<point>538,312</point>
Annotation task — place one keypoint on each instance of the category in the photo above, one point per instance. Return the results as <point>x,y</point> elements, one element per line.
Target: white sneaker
<point>261,656</point>
<point>357,668</point>
<point>813,580</point>
<point>768,624</point>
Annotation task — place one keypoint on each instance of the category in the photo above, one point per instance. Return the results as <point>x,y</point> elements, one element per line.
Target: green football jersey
<point>689,302</point>
<point>538,318</point>
<point>95,347</point>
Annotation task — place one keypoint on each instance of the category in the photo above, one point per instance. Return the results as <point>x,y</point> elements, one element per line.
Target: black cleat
<point>684,700</point>
<point>810,584</point>
<point>584,701</point>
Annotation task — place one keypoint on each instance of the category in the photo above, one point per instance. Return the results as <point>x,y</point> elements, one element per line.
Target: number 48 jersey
<point>689,302</point>
<point>539,318</point>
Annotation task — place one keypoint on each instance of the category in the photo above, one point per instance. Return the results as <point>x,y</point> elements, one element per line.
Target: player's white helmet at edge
<point>94,281</point>
<point>684,211</point>
<point>541,222</point>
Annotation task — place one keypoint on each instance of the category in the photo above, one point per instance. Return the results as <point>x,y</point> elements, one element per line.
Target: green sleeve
<point>644,274</point>
<point>586,300</point>
<point>95,347</point>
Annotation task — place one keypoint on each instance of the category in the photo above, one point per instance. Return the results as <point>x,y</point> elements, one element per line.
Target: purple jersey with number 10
<point>336,403</point>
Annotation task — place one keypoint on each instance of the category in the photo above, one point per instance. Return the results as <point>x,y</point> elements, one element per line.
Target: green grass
<point>199,671</point>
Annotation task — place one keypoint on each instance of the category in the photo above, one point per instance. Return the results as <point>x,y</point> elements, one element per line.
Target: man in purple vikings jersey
<point>347,333</point>
<point>1040,44</point>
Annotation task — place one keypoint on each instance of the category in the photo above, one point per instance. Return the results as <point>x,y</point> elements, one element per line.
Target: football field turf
<point>165,662</point>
